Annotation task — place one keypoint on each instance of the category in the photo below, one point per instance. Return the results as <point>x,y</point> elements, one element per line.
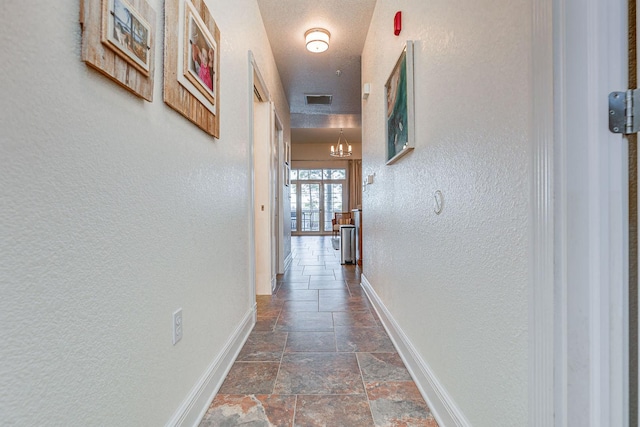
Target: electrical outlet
<point>177,326</point>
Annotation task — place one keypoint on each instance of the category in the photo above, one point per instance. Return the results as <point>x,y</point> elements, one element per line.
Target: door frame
<point>256,84</point>
<point>579,205</point>
<point>278,193</point>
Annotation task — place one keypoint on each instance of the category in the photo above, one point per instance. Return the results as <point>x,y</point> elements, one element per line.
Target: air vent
<point>319,99</point>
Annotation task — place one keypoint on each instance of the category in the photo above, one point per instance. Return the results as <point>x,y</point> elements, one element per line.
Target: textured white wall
<point>113,213</point>
<point>462,297</point>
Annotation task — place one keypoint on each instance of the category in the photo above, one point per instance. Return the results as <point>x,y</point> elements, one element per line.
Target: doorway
<point>316,194</point>
<point>266,135</point>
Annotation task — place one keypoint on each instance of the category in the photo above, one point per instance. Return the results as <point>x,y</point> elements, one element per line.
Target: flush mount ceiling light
<point>317,40</point>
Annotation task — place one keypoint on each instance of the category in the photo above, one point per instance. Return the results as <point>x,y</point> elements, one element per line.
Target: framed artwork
<point>200,51</point>
<point>118,40</point>
<point>128,33</point>
<point>399,107</point>
<point>192,63</point>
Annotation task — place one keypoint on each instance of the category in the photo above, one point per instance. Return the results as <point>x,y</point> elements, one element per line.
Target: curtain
<point>355,184</point>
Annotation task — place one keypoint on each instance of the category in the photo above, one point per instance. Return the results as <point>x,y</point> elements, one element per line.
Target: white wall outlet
<point>177,326</point>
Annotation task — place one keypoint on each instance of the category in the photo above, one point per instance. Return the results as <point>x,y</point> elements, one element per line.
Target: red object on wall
<point>397,23</point>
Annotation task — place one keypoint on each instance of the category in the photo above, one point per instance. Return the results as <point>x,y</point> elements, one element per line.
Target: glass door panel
<point>332,203</point>
<point>294,207</point>
<point>309,207</point>
<point>316,194</point>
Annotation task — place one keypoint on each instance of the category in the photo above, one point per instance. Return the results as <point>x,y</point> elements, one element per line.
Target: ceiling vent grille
<point>319,99</point>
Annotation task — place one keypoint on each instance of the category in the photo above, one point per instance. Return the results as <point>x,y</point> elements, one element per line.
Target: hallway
<point>318,355</point>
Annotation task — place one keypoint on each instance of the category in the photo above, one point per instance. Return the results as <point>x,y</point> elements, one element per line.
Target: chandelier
<point>338,150</point>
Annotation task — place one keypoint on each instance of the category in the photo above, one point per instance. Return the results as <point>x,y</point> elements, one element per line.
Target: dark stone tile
<point>317,279</point>
<point>311,342</point>
<point>375,315</point>
<point>293,305</point>
<point>363,339</point>
<point>382,367</point>
<point>294,276</point>
<point>293,285</point>
<point>251,410</point>
<point>314,279</point>
<point>343,304</point>
<point>317,271</point>
<point>329,285</point>
<point>263,347</point>
<point>315,262</point>
<point>359,293</point>
<point>333,265</point>
<point>250,378</point>
<point>297,294</point>
<point>265,323</point>
<point>319,373</point>
<point>305,321</point>
<point>320,411</point>
<point>398,403</point>
<point>338,294</point>
<point>268,306</point>
<point>363,319</point>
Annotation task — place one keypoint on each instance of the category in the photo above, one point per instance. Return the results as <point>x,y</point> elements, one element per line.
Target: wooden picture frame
<point>120,55</point>
<point>127,33</point>
<point>399,107</point>
<point>199,46</point>
<point>190,29</point>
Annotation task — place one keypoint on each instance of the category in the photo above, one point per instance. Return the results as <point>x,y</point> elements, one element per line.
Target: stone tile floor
<point>318,355</point>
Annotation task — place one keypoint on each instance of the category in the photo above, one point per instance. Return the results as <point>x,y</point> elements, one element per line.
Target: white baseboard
<point>440,403</point>
<point>194,407</point>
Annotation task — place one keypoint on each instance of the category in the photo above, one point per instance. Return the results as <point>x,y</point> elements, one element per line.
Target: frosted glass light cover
<point>317,40</point>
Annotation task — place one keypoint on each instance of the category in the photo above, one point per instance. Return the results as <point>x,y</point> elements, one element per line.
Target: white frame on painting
<point>189,79</point>
<point>196,39</point>
<point>124,41</point>
<point>399,107</point>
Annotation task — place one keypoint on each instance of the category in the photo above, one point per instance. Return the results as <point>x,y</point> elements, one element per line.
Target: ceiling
<point>335,72</point>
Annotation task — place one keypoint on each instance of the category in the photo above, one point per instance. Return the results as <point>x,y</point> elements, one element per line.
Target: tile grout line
<point>273,390</point>
<point>295,410</point>
<point>364,386</point>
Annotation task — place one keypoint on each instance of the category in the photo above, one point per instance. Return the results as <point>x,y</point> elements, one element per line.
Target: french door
<point>314,201</point>
<point>311,213</point>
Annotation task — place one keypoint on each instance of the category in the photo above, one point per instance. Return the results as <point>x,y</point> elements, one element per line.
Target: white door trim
<point>255,81</point>
<point>591,228</point>
<point>541,308</point>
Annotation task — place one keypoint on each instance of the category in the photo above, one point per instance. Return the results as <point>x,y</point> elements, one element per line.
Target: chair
<point>340,218</point>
